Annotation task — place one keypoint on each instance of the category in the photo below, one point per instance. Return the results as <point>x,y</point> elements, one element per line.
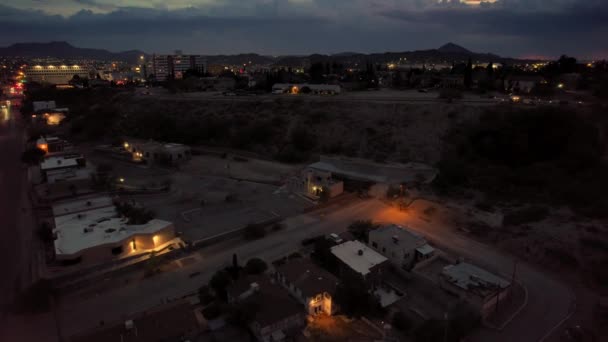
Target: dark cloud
<point>507,27</point>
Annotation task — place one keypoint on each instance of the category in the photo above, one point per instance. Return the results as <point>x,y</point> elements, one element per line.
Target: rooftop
<point>472,278</point>
<point>308,277</point>
<point>358,256</point>
<point>271,301</point>
<point>365,170</point>
<point>393,234</point>
<point>65,175</point>
<point>58,162</point>
<point>82,204</point>
<point>79,231</point>
<point>167,323</point>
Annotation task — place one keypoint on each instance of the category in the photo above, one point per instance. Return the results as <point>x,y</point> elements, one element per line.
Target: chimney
<point>395,239</point>
<point>129,325</point>
<point>360,252</point>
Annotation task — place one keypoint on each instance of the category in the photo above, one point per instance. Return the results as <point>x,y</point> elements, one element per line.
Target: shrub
<point>212,311</point>
<point>360,229</point>
<point>256,266</point>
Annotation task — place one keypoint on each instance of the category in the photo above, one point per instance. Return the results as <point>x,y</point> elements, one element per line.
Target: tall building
<point>174,66</point>
<point>53,74</point>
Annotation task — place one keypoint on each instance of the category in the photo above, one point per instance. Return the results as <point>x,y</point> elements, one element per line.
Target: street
<point>16,215</point>
<point>548,303</point>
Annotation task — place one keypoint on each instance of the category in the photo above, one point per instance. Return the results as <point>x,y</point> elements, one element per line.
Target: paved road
<point>15,215</point>
<point>548,304</point>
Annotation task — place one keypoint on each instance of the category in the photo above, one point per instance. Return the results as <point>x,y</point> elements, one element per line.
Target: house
<point>480,288</point>
<point>311,285</point>
<point>171,322</point>
<point>522,83</point>
<point>401,246</point>
<point>362,170</point>
<point>150,151</point>
<point>90,231</point>
<point>361,261</point>
<point>312,182</point>
<point>52,145</point>
<point>305,88</point>
<point>62,162</point>
<point>276,315</point>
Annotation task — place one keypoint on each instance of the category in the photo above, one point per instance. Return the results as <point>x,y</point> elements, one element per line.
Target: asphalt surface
<point>15,215</point>
<point>549,299</point>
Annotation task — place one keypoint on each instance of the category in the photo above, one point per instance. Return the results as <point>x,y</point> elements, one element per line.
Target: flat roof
<point>308,277</point>
<point>348,252</point>
<point>425,249</point>
<point>393,234</point>
<point>103,227</point>
<point>63,175</point>
<point>366,170</point>
<point>472,278</point>
<point>82,204</point>
<point>57,162</point>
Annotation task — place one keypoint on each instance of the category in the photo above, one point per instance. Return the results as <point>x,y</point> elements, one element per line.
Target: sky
<point>515,28</point>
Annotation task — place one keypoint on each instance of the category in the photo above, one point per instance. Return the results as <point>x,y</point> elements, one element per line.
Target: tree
<point>219,283</point>
<point>256,266</point>
<point>361,228</point>
<point>204,294</point>
<point>45,233</point>
<point>468,74</point>
<point>33,156</point>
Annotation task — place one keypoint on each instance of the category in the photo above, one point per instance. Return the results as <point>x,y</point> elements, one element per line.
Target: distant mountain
<point>453,48</point>
<point>64,50</point>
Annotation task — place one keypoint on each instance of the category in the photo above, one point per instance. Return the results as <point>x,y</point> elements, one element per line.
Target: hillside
<point>64,50</point>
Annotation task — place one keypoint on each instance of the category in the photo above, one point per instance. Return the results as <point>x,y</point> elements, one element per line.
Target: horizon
<point>514,28</point>
<point>185,52</point>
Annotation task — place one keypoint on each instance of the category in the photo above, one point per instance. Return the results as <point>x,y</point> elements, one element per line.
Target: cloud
<point>508,27</point>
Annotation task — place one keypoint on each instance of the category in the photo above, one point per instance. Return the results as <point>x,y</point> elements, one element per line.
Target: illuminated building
<point>174,66</point>
<point>55,74</point>
<point>311,285</point>
<point>91,231</point>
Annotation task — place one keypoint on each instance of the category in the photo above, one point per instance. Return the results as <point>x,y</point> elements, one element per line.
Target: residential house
<point>400,245</point>
<point>311,285</point>
<point>276,315</point>
<point>62,162</point>
<point>312,182</point>
<point>480,288</point>
<point>150,151</point>
<point>361,261</point>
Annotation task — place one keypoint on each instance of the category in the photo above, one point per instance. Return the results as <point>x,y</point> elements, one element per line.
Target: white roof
<point>66,175</point>
<point>348,252</point>
<point>58,162</point>
<point>470,277</point>
<point>83,204</point>
<point>425,250</point>
<point>40,105</point>
<point>105,228</point>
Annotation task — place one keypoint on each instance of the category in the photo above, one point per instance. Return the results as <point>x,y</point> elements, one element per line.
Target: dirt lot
<point>206,198</point>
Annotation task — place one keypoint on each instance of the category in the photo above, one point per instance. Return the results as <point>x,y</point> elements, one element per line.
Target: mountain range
<point>447,53</point>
